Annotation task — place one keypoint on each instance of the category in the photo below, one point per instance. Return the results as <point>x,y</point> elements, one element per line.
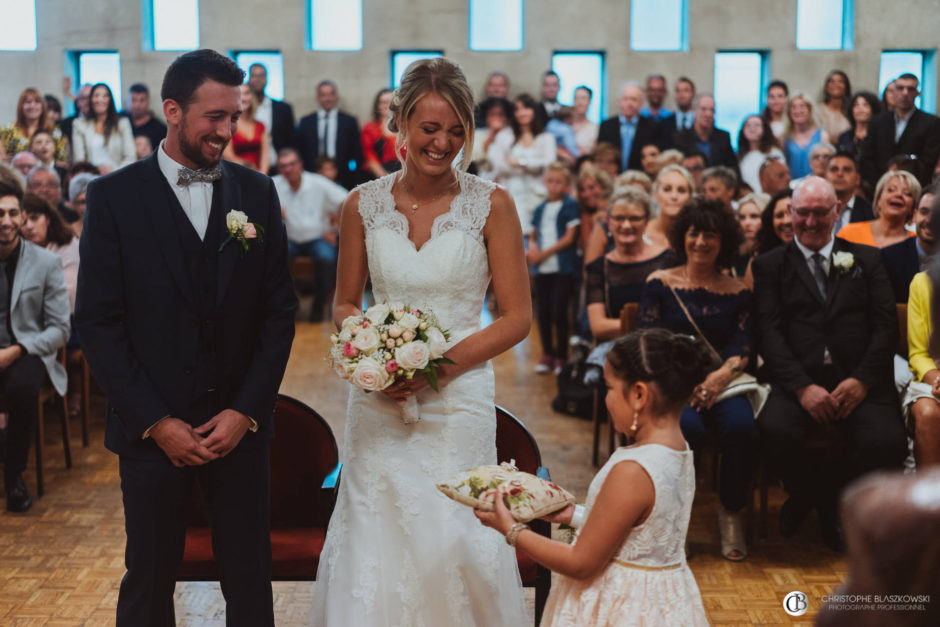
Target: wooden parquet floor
<point>61,563</point>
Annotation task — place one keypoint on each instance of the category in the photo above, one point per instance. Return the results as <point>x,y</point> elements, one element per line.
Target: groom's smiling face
<point>205,126</point>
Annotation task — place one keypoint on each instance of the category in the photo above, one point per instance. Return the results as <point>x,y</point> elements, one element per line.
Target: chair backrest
<point>303,452</point>
<point>902,329</point>
<point>628,318</point>
<point>514,441</point>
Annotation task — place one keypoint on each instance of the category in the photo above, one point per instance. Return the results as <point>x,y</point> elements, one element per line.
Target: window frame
<point>847,40</point>
<point>73,66</point>
<point>309,30</point>
<point>394,81</point>
<point>150,36</point>
<point>683,27</point>
<point>599,97</point>
<point>764,56</point>
<point>470,12</point>
<point>928,76</point>
<point>234,54</point>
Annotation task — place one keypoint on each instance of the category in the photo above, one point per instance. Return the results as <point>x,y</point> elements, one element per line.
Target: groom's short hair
<point>190,70</point>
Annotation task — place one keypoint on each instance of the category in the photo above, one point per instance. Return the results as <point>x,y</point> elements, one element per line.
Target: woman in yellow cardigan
<point>923,393</point>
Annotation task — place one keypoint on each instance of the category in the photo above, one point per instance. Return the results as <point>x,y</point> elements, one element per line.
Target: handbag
<point>744,384</point>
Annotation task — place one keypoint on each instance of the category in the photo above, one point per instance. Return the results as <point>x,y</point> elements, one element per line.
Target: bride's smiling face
<point>434,136</point>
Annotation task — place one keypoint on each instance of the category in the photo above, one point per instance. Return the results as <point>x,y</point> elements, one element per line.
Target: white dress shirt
<point>333,116</point>
<point>826,263</point>
<point>900,124</point>
<point>307,211</point>
<point>196,199</point>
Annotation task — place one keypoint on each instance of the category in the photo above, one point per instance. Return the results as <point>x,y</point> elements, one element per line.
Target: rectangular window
<point>659,25</point>
<point>98,66</point>
<point>577,69</point>
<point>739,83</point>
<point>920,63</point>
<point>334,24</point>
<point>171,24</point>
<point>401,59</point>
<point>496,25</point>
<point>19,24</point>
<point>272,61</point>
<point>825,24</point>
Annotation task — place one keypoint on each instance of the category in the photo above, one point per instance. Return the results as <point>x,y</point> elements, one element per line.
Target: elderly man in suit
<point>629,131</point>
<point>34,325</point>
<point>827,329</point>
<point>332,133</point>
<point>186,316</point>
<point>905,131</point>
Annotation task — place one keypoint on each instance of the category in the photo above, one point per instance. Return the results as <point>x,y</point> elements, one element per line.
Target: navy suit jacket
<point>861,210</point>
<point>921,137</point>
<point>902,262</point>
<point>136,310</point>
<point>282,126</point>
<point>348,146</point>
<point>647,132</point>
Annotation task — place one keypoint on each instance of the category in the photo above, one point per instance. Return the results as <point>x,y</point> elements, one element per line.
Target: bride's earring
<point>636,415</point>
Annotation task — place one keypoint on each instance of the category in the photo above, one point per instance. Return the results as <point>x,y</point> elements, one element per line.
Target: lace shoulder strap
<point>471,208</point>
<point>376,204</point>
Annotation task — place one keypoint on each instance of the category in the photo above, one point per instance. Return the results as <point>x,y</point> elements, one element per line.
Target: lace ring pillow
<point>528,497</point>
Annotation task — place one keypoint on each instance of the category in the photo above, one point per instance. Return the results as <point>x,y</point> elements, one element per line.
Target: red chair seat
<point>295,554</point>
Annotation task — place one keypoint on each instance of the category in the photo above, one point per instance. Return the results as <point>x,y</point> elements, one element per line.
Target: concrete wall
<point>550,25</point>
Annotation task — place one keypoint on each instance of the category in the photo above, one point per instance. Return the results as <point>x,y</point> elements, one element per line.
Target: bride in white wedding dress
<point>397,551</point>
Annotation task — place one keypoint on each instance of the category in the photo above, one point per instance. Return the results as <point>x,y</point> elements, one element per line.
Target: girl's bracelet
<point>514,532</point>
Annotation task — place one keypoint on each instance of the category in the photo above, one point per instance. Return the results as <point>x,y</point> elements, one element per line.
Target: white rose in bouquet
<point>343,368</point>
<point>377,313</point>
<point>437,343</point>
<point>409,321</point>
<point>351,321</point>
<point>413,356</point>
<point>235,221</point>
<point>367,340</point>
<point>345,335</point>
<point>370,375</point>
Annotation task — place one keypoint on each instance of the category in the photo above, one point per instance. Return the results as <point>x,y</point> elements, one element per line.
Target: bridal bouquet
<point>387,343</point>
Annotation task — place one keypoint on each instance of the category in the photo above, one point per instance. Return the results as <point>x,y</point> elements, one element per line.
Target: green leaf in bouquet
<point>444,360</point>
<point>431,375</point>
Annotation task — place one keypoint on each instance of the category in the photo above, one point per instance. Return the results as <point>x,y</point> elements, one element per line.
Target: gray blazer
<point>39,308</point>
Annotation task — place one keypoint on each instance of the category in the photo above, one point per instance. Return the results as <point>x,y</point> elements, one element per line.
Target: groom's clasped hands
<point>194,446</point>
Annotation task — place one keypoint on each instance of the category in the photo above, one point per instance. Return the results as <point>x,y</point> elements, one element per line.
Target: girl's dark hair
<point>376,117</point>
<point>848,89</point>
<point>709,216</point>
<point>868,97</point>
<point>767,138</point>
<point>110,116</point>
<point>58,232</point>
<point>765,114</point>
<point>766,237</point>
<point>496,103</point>
<point>674,363</point>
<point>537,125</point>
<point>189,71</point>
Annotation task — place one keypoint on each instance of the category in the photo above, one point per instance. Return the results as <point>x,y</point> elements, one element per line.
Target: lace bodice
<point>660,540</point>
<point>449,273</point>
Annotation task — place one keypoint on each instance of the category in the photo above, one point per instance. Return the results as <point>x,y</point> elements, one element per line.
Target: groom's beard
<point>193,151</point>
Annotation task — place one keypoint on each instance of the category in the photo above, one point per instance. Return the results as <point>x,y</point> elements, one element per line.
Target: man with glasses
<point>826,327</point>
<point>905,131</point>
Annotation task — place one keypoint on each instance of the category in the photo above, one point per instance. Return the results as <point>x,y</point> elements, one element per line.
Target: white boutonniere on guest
<point>241,230</point>
<point>843,262</point>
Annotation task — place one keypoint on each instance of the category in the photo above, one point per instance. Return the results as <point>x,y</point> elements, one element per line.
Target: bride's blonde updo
<point>444,78</point>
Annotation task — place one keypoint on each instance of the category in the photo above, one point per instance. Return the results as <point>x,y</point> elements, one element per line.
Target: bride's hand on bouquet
<point>499,519</point>
<point>562,516</point>
<point>402,389</point>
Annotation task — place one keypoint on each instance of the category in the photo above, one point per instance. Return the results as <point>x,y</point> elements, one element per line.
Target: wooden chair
<point>515,442</point>
<point>303,454</point>
<point>77,361</point>
<point>627,324</point>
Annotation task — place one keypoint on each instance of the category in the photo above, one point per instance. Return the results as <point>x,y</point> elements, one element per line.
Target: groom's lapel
<point>230,198</point>
<point>154,191</point>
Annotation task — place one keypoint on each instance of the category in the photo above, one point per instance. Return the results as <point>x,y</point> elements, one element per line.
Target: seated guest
<point>44,227</point>
<point>77,187</point>
<point>776,228</point>
<point>594,187</point>
<point>672,189</point>
<point>905,259</point>
<point>102,136</point>
<point>33,328</point>
<point>842,172</point>
<point>826,328</point>
<point>618,277</point>
<point>31,116</point>
<point>649,160</point>
<point>24,162</point>
<point>720,184</point>
<point>635,178</point>
<point>749,213</point>
<point>310,203</point>
<point>895,196</point>
<point>670,156</point>
<point>698,298</point>
<point>819,157</point>
<point>46,184</point>
<point>42,145</point>
<point>774,175</point>
<point>142,147</point>
<point>607,158</point>
<point>922,400</point>
<point>325,166</point>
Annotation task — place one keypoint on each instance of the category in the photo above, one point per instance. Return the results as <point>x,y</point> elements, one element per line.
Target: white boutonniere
<point>843,262</point>
<point>241,230</point>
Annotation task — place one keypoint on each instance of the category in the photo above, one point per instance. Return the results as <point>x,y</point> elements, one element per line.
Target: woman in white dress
<point>103,137</point>
<point>397,551</point>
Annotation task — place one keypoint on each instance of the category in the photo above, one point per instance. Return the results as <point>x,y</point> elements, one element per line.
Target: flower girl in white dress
<point>627,564</point>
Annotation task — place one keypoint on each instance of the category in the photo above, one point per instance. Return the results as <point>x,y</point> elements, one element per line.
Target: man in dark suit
<point>842,172</point>
<point>333,133</point>
<point>826,327</point>
<point>277,116</point>
<point>703,137</point>
<point>629,132</point>
<point>187,316</point>
<point>905,259</point>
<point>905,131</point>
<point>683,117</point>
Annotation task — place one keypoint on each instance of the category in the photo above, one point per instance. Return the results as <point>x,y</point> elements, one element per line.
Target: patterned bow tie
<point>205,175</point>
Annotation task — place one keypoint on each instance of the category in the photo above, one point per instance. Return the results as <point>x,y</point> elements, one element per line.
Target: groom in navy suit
<point>188,331</point>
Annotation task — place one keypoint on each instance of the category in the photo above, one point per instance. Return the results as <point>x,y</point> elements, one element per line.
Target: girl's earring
<point>636,415</point>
